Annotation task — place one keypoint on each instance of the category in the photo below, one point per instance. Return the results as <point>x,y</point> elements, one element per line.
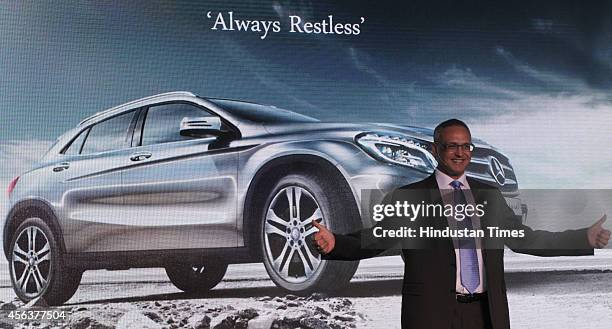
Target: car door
<point>179,192</point>
<point>88,173</point>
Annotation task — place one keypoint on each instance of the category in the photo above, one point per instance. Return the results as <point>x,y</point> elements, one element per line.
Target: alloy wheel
<point>31,261</point>
<point>288,234</point>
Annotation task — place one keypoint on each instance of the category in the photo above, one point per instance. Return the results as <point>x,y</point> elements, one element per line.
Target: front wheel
<point>290,256</point>
<point>37,267</point>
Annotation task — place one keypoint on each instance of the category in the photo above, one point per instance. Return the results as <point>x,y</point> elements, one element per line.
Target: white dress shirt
<point>446,190</point>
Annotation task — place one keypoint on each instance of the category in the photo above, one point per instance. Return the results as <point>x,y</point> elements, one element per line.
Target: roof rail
<point>118,107</point>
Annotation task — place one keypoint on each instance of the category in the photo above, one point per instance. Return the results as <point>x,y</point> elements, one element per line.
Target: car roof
<point>145,100</point>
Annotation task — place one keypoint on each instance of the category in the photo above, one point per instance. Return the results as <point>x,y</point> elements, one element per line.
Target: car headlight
<point>398,149</point>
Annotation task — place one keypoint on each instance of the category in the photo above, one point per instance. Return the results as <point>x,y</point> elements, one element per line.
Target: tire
<point>36,265</point>
<point>195,278</point>
<point>286,238</point>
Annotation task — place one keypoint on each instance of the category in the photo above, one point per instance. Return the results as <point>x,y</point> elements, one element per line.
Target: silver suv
<point>193,184</point>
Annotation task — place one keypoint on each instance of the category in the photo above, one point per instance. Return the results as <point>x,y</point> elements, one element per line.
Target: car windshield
<point>260,113</point>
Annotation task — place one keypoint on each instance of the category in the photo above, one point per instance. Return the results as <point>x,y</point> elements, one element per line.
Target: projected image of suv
<point>193,184</point>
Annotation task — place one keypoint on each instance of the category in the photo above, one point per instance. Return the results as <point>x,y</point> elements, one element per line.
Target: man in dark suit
<point>458,282</point>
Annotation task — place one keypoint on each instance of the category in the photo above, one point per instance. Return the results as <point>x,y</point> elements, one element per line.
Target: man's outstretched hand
<point>324,239</point>
<point>597,235</point>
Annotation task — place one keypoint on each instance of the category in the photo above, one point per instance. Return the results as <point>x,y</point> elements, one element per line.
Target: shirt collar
<point>444,180</point>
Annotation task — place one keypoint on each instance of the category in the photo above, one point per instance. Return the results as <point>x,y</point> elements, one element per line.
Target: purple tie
<point>470,277</point>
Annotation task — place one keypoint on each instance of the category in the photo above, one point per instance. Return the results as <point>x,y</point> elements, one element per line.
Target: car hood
<point>334,127</point>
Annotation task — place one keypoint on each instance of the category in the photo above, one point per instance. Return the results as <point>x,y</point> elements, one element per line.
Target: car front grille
<point>481,168</point>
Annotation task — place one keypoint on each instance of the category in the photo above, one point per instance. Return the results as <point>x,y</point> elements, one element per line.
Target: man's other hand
<point>324,239</point>
<point>597,235</point>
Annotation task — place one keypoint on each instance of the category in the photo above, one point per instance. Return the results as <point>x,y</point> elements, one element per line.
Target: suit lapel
<point>440,223</point>
<point>480,194</point>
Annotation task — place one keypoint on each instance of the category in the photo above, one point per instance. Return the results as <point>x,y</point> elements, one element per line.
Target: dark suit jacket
<point>428,292</point>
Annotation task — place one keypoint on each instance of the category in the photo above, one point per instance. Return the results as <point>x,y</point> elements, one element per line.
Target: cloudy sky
<point>532,79</point>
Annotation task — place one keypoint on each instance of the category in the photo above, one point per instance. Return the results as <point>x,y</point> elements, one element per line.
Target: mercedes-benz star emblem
<point>497,171</point>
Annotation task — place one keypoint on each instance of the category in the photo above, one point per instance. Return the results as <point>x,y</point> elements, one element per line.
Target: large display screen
<point>186,163</point>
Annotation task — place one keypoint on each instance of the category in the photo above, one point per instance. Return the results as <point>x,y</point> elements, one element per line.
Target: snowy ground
<point>563,292</point>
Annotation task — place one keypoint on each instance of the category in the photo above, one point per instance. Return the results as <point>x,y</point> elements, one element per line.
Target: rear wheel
<point>287,233</point>
<point>37,267</point>
<point>196,278</point>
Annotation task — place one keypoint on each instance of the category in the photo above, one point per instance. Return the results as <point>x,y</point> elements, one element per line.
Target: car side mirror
<point>201,126</point>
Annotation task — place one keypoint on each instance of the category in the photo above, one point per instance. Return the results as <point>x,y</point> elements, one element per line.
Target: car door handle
<point>61,167</point>
<point>140,156</point>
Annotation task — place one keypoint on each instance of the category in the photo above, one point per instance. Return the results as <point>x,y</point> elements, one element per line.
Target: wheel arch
<point>26,209</point>
<point>265,178</point>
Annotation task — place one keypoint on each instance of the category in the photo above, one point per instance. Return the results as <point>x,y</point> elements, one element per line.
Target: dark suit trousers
<point>474,315</point>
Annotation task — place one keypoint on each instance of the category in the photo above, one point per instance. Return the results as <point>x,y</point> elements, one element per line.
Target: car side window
<point>75,147</point>
<point>109,134</point>
<point>162,123</point>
